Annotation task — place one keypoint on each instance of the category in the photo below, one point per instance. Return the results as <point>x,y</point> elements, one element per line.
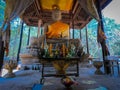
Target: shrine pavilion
<point>53,47</point>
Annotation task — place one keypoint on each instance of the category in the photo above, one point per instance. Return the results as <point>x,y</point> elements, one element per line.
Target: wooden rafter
<point>35,12</point>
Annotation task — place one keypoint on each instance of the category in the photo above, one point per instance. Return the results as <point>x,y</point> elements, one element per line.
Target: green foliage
<point>2,8</point>
<point>112,31</point>
<point>15,37</point>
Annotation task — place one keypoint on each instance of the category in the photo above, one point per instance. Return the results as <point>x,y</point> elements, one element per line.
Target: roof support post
<point>73,34</point>
<point>87,40</point>
<point>80,35</point>
<point>69,34</point>
<point>41,32</point>
<point>103,43</point>
<point>20,42</point>
<point>28,36</point>
<point>2,49</point>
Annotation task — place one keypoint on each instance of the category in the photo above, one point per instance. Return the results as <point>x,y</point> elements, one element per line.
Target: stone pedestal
<point>27,59</point>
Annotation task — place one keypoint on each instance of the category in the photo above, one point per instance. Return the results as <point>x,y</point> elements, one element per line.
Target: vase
<point>98,65</point>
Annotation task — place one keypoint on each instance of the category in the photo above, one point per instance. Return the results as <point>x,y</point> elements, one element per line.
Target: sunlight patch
<point>48,83</point>
<point>88,82</point>
<point>99,88</point>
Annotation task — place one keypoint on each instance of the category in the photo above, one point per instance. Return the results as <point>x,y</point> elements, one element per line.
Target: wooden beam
<point>36,24</point>
<point>29,14</point>
<point>45,18</point>
<point>30,17</point>
<point>38,4</point>
<point>77,12</point>
<point>81,26</point>
<point>84,23</point>
<point>77,21</point>
<point>50,10</point>
<point>38,13</point>
<point>75,7</point>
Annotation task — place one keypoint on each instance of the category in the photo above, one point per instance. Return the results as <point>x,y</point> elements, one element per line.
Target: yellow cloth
<point>65,5</point>
<point>57,30</point>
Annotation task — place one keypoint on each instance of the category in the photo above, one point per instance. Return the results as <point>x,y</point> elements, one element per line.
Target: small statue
<point>10,65</point>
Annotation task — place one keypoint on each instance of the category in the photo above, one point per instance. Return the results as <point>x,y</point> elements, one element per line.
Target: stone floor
<point>87,80</point>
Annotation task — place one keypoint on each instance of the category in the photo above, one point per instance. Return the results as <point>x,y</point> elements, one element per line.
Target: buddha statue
<point>56,29</point>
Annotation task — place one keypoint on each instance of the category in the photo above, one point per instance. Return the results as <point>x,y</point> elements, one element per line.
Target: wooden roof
<point>75,13</point>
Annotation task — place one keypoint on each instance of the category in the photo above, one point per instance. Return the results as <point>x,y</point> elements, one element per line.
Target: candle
<point>50,49</point>
<point>63,49</point>
<point>66,50</point>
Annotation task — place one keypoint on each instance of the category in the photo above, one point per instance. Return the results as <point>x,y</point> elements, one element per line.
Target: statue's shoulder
<point>46,24</point>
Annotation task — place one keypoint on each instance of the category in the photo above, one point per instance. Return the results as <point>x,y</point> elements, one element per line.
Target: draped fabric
<point>101,37</point>
<point>64,5</point>
<point>13,9</point>
<point>6,38</point>
<point>90,8</point>
<point>100,34</point>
